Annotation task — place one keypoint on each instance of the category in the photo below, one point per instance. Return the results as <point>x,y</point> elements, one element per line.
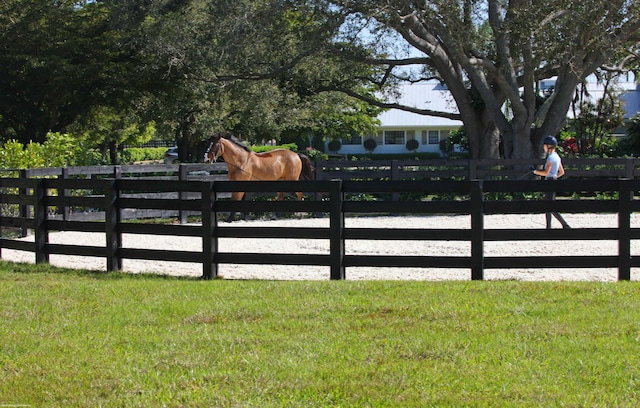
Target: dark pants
<point>551,195</point>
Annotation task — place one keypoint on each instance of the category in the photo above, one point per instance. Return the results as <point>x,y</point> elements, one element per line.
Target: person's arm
<point>560,170</point>
<point>544,172</point>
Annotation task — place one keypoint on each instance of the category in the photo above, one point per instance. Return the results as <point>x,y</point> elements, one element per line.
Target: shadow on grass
<point>27,268</point>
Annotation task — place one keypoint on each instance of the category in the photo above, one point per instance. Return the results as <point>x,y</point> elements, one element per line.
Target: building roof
<point>429,95</point>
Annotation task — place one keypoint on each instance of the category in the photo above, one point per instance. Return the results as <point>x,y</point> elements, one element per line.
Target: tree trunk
<point>490,142</point>
<point>183,138</point>
<point>522,146</point>
<point>113,152</point>
<point>484,136</point>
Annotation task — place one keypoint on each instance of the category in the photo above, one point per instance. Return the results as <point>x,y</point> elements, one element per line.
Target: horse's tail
<point>307,167</point>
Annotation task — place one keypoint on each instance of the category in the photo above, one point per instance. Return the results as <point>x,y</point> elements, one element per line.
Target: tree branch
<point>252,76</point>
<point>386,105</point>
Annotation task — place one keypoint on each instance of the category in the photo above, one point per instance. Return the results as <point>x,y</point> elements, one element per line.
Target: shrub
<point>58,150</point>
<point>412,145</point>
<point>446,146</point>
<point>334,145</point>
<point>289,146</point>
<point>315,154</point>
<point>458,137</point>
<point>140,154</point>
<point>370,144</point>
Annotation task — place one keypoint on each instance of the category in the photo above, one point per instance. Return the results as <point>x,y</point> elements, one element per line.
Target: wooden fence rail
<point>335,199</point>
<point>393,170</point>
<point>484,169</point>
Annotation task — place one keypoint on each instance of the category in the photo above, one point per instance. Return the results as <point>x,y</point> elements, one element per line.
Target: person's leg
<point>559,217</point>
<point>550,196</point>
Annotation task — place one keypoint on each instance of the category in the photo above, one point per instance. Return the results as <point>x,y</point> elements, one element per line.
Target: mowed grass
<point>70,338</point>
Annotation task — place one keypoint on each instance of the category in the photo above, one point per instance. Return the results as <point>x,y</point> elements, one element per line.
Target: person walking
<point>553,170</point>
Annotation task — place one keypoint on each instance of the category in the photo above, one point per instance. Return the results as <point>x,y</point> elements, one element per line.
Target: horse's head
<point>214,151</point>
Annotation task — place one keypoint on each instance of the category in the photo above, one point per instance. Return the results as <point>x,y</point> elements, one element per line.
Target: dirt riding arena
<point>377,247</point>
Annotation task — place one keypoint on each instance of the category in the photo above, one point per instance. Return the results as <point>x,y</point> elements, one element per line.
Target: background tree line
<point>116,72</point>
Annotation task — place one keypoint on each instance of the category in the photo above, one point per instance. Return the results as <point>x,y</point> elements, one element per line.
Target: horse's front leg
<point>236,196</point>
<point>279,197</point>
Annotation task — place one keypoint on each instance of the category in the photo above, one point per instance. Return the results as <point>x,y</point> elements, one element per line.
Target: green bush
<point>13,155</point>
<point>334,145</point>
<point>412,144</point>
<point>58,150</point>
<point>140,154</point>
<point>261,149</point>
<point>315,154</point>
<point>370,144</point>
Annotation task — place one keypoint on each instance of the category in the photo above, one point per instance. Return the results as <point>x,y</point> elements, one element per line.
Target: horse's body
<point>245,165</point>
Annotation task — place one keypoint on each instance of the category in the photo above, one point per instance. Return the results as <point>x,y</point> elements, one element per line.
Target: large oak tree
<point>493,54</point>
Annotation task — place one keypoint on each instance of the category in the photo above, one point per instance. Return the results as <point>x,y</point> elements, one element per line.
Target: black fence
<point>334,199</point>
<point>470,169</point>
<point>440,169</point>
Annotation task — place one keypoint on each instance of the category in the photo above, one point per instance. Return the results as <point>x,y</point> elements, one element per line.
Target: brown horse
<point>244,165</point>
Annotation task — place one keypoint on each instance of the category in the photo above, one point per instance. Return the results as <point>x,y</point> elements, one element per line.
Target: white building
<point>398,126</point>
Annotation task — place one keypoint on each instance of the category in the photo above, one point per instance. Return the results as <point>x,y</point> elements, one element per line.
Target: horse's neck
<point>233,153</point>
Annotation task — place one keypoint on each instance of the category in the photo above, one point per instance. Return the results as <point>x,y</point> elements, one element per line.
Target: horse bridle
<point>215,153</point>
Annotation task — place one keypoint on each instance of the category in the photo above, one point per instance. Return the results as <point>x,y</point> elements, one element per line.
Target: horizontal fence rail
<point>469,169</point>
<point>334,199</point>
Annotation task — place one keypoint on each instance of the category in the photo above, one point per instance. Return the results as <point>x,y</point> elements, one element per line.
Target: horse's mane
<point>235,140</point>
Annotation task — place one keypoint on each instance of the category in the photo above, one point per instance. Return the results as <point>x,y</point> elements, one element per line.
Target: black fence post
<point>40,217</point>
<point>477,230</point>
<point>63,193</point>
<point>318,170</point>
<point>111,222</point>
<point>629,168</point>
<point>395,176</point>
<point>182,175</point>
<point>625,196</point>
<point>24,209</point>
<point>209,232</point>
<point>336,225</point>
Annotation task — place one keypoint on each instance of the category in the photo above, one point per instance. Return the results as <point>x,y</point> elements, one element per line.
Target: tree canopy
<point>259,68</point>
<point>190,67</point>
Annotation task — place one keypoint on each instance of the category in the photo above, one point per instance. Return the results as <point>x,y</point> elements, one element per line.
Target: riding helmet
<point>550,141</point>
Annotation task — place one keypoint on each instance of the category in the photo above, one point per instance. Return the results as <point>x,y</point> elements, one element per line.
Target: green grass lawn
<point>72,338</point>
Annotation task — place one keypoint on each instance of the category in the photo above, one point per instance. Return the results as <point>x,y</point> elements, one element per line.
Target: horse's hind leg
<point>299,196</point>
